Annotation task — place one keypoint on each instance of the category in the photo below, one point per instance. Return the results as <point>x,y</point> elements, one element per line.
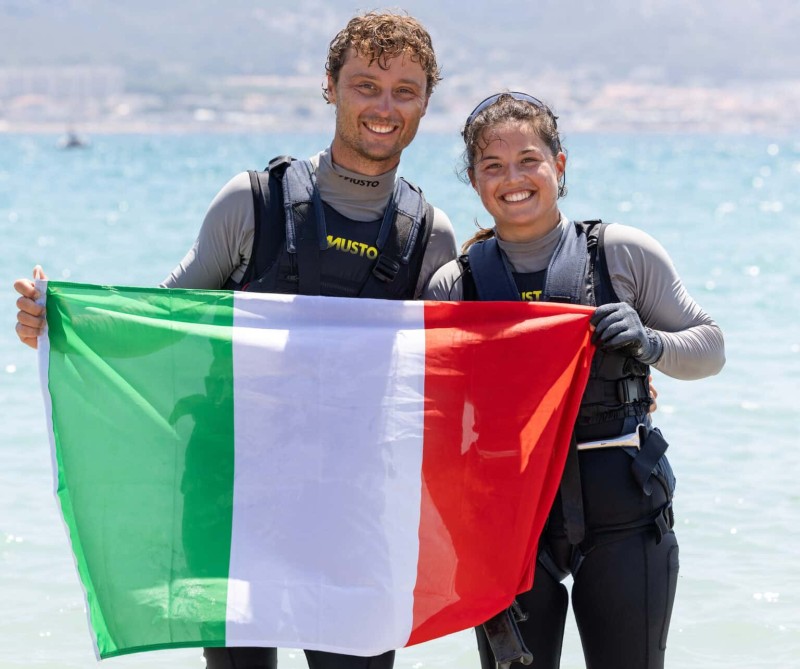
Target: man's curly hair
<point>379,37</point>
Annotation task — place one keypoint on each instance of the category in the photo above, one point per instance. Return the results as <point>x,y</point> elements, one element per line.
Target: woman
<point>611,524</point>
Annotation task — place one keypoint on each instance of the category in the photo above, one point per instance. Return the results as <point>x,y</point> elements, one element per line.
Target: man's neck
<point>353,194</point>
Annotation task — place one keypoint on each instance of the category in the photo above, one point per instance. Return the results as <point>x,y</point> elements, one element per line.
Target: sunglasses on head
<point>517,95</point>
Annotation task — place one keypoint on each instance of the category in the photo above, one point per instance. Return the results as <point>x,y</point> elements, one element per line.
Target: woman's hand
<point>618,326</point>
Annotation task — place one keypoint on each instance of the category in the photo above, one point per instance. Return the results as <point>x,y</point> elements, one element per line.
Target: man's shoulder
<point>440,218</point>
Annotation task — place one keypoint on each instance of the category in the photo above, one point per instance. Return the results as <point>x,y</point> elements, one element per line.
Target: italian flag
<point>323,473</point>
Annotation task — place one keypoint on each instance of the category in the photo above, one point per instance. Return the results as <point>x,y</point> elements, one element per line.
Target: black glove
<point>618,326</point>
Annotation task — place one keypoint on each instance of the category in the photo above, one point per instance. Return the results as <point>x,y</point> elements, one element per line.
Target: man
<point>349,226</point>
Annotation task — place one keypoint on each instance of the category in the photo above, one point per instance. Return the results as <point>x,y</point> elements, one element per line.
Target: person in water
<point>381,71</point>
<point>611,524</point>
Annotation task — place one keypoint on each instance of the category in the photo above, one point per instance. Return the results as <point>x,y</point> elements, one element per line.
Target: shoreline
<point>432,126</point>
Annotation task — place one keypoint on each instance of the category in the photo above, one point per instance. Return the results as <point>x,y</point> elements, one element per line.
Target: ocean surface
<point>727,209</point>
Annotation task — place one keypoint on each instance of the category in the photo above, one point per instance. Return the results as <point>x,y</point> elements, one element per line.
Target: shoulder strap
<point>566,273</point>
<point>402,239</point>
<point>305,223</point>
<point>491,272</point>
<point>604,289</point>
<point>469,293</point>
<point>265,187</point>
<point>259,185</point>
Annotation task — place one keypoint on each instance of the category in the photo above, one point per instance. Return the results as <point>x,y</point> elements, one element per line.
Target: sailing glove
<point>618,326</point>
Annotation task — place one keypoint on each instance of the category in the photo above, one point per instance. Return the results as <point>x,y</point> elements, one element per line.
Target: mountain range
<point>709,42</point>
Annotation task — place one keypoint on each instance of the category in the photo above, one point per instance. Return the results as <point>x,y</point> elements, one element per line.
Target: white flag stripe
<point>339,572</point>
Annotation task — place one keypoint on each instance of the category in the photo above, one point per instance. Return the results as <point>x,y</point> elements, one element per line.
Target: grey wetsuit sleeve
<point>441,249</point>
<point>446,284</point>
<point>224,243</point>
<point>643,275</point>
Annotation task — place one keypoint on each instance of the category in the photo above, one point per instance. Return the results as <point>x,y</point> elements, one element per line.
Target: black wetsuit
<point>267,658</point>
<point>625,568</point>
<point>624,574</point>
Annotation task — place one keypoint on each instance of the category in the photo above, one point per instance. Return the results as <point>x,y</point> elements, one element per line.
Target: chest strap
<point>566,274</point>
<point>401,230</point>
<point>306,234</point>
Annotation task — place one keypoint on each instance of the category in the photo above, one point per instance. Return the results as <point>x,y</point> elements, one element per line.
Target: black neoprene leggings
<point>267,658</point>
<point>623,588</point>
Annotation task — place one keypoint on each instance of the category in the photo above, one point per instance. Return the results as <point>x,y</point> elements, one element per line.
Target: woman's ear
<point>561,163</point>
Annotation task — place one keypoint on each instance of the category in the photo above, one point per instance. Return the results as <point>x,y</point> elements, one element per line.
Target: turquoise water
<point>726,208</point>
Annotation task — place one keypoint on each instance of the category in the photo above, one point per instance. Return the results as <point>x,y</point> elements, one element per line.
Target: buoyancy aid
<point>577,274</point>
<point>303,246</point>
<point>617,396</point>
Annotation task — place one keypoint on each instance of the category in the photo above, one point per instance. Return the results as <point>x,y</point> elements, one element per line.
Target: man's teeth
<point>517,197</point>
<point>382,129</point>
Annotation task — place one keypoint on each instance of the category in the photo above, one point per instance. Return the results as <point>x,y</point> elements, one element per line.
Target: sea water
<point>727,209</point>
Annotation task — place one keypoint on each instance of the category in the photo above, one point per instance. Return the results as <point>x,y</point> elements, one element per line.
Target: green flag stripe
<point>155,533</point>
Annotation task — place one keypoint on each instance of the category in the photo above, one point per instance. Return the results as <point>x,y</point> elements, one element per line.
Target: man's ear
<point>331,89</point>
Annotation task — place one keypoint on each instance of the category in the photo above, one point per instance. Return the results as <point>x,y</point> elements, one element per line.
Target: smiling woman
<point>517,179</point>
<point>611,524</point>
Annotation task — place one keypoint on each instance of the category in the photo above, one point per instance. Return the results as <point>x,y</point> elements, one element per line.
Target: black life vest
<point>303,246</point>
<point>618,385</point>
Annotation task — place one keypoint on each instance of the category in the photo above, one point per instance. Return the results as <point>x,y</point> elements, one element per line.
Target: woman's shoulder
<point>445,283</point>
<point>620,233</point>
<point>621,238</point>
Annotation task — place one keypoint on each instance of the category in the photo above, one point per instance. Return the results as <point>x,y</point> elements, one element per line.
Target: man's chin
<point>380,154</point>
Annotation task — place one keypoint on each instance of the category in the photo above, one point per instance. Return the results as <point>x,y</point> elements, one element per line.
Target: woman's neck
<point>530,233</point>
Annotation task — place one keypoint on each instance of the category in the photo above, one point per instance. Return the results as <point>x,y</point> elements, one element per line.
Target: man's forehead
<point>404,59</point>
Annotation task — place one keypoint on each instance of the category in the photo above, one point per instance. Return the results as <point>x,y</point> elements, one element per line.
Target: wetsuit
<point>625,569</point>
<point>221,255</point>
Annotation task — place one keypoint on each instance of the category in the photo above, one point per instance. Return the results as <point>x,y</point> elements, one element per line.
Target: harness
<point>291,251</point>
<point>617,390</point>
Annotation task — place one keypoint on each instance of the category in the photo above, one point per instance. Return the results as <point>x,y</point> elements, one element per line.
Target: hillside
<point>669,41</point>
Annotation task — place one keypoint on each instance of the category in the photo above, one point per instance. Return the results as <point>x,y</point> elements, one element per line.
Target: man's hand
<point>30,316</point>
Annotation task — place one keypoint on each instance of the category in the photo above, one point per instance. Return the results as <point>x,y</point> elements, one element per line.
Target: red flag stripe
<point>496,435</point>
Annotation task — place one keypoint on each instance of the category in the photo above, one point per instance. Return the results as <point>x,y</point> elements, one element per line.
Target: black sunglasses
<point>517,95</point>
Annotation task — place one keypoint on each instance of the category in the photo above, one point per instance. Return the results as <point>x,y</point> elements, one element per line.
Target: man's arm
<point>441,249</point>
<point>225,241</point>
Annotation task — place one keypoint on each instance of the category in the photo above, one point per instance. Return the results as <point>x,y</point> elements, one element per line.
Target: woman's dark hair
<point>507,107</point>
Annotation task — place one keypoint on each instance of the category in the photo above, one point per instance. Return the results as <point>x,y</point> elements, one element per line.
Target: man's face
<point>377,112</point>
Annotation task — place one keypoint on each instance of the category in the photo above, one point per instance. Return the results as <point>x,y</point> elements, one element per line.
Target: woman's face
<point>516,176</point>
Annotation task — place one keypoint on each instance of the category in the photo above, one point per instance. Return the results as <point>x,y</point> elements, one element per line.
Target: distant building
<point>70,83</point>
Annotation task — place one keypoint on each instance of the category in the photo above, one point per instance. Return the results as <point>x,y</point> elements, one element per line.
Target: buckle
<point>517,612</point>
<point>629,390</point>
<point>385,268</point>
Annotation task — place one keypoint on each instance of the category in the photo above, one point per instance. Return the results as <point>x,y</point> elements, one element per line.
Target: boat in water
<point>72,140</point>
